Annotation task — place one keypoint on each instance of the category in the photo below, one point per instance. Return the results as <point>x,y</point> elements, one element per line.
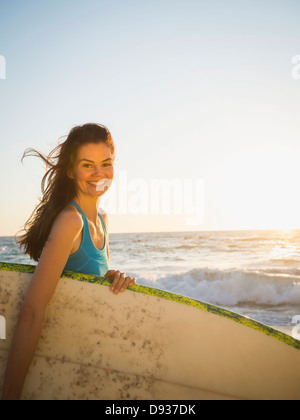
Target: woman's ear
<point>70,174</point>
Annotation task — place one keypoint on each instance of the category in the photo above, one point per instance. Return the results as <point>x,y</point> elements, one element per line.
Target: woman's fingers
<point>128,282</point>
<point>110,274</point>
<point>120,281</point>
<point>116,278</point>
<point>133,282</point>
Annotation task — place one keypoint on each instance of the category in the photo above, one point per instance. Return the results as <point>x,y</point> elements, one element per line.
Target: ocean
<point>253,273</point>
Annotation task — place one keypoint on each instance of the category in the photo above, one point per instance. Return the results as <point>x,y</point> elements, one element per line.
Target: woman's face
<point>94,163</point>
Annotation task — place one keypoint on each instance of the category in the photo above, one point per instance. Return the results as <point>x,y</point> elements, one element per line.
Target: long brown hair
<point>57,188</point>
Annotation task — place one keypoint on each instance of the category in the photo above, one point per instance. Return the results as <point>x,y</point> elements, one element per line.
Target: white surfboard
<point>145,344</point>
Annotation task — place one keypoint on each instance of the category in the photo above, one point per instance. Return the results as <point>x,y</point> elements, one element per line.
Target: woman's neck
<point>89,206</point>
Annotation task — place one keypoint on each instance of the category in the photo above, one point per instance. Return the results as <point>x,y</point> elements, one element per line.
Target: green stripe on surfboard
<point>22,268</point>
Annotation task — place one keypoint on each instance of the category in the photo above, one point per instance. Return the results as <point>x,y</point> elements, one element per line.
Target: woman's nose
<point>98,171</point>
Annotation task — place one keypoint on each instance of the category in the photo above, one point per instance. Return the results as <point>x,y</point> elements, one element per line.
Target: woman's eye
<point>89,165</point>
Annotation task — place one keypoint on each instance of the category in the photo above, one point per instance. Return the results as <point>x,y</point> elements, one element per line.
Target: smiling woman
<point>64,232</point>
<point>89,251</point>
<point>59,185</point>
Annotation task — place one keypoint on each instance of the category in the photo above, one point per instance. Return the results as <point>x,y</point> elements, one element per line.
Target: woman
<point>65,232</point>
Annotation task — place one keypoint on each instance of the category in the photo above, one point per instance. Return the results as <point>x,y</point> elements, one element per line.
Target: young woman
<point>64,232</point>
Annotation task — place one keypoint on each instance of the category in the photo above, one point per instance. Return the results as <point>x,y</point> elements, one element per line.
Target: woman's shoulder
<point>70,218</point>
<point>68,225</point>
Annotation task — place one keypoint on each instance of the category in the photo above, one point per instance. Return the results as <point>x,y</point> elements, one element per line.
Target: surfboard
<point>145,344</point>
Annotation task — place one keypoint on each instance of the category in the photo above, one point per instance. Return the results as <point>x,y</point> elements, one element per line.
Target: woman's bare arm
<point>65,231</point>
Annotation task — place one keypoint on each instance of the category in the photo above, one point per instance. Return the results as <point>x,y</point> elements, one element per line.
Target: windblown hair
<point>57,188</point>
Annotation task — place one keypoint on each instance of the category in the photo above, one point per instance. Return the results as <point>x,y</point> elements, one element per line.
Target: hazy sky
<point>194,90</point>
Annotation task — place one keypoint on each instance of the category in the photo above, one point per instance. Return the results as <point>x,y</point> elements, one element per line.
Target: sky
<point>202,98</point>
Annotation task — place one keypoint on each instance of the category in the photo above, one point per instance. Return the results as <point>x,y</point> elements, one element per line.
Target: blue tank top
<point>88,259</point>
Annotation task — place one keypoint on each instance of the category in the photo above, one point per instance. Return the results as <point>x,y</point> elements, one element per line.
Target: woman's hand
<point>120,281</point>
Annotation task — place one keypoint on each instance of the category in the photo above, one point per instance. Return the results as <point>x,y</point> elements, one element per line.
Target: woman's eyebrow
<point>88,160</point>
